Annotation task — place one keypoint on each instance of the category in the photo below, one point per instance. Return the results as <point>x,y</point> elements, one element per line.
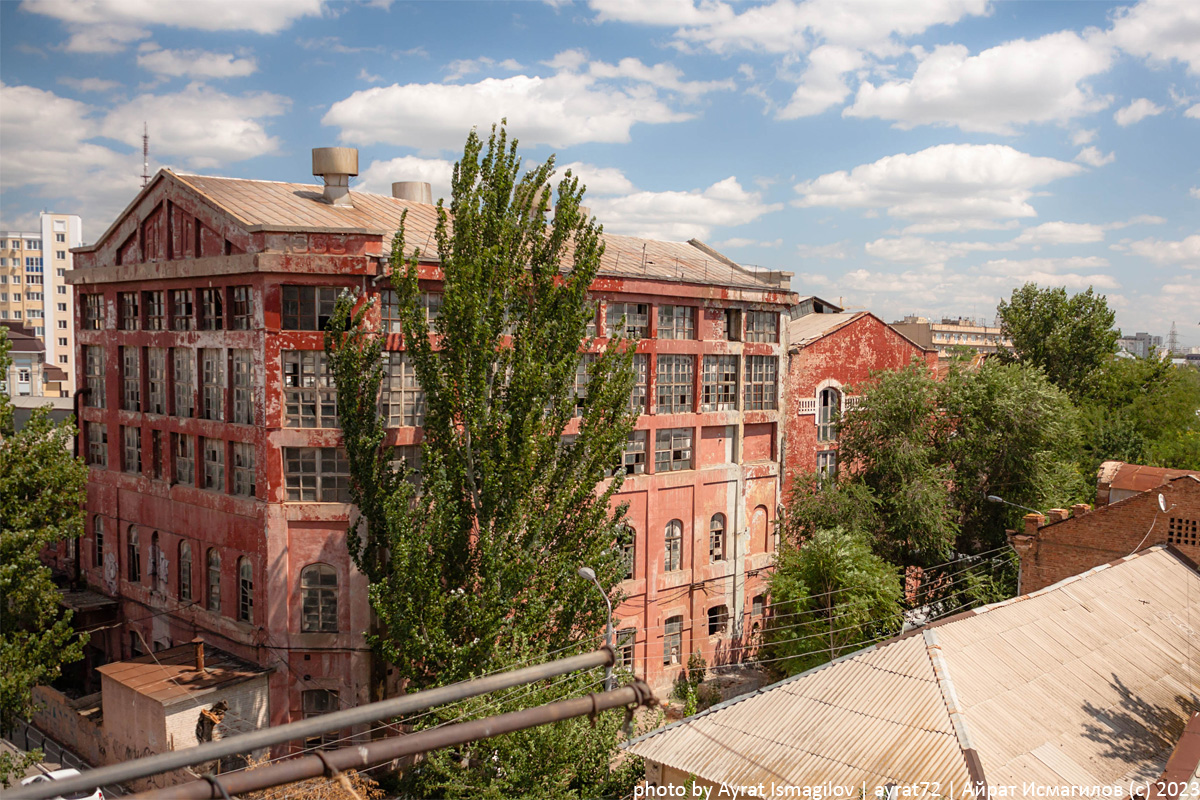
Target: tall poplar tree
<point>474,558</point>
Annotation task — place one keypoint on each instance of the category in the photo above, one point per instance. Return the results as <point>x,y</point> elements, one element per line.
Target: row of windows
<point>210,309</point>
<point>718,624</point>
<point>632,320</point>
<point>318,582</point>
<point>208,472</point>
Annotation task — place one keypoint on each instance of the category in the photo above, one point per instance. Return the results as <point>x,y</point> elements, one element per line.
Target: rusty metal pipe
<point>269,737</point>
<point>385,750</point>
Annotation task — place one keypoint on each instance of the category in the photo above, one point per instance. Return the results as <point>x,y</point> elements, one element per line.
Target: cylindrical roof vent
<point>413,191</point>
<point>336,165</point>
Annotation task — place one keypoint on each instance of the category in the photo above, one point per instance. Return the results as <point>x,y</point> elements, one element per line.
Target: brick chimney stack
<point>1079,509</point>
<point>1058,514</point>
<point>198,646</point>
<point>1032,523</point>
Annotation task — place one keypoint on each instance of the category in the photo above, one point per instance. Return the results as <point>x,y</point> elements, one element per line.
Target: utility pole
<point>1173,340</point>
<point>145,156</point>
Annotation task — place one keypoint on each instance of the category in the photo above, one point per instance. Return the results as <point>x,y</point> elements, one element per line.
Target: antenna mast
<point>1173,341</point>
<point>145,156</point>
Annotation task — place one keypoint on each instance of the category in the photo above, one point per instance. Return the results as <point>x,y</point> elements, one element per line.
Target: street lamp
<point>994,499</point>
<point>589,574</point>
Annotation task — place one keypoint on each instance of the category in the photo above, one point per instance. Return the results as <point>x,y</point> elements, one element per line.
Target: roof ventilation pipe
<point>413,191</point>
<point>336,165</point>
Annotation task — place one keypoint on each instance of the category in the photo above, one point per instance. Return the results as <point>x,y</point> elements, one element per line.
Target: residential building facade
<point>951,333</point>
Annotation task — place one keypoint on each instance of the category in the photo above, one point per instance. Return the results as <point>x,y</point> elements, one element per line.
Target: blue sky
<point>906,156</point>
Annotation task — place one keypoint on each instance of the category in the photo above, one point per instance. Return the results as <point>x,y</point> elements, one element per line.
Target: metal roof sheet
<point>170,675</point>
<point>1138,477</point>
<point>1087,683</point>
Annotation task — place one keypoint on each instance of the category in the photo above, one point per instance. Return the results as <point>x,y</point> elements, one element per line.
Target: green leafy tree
<point>1068,337</point>
<point>475,558</point>
<point>42,488</point>
<point>829,596</point>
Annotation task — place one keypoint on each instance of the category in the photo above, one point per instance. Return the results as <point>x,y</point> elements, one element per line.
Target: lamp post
<point>994,499</point>
<point>589,574</point>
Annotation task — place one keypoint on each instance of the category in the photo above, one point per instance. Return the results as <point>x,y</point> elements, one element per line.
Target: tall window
<point>674,384</point>
<point>135,555</point>
<point>729,324</point>
<point>131,379</point>
<point>245,590</point>
<point>212,364</point>
<point>760,383</point>
<point>316,702</point>
<point>127,304</point>
<point>309,393</point>
<point>243,469</point>
<point>97,441</point>
<point>156,453</point>
<point>243,387</point>
<point>720,383</point>
<point>184,365</point>
<point>389,312</point>
<point>626,639</point>
<point>673,546</point>
<point>633,457</point>
<point>185,570</point>
<point>155,562</point>
<point>98,537</point>
<point>716,538</point>
<point>641,383</point>
<point>629,554</point>
<point>241,311</point>
<point>319,599</point>
<point>673,449</point>
<point>829,403</point>
<point>673,640</point>
<point>93,372</point>
<point>403,399</point>
<point>408,457</point>
<point>827,465</point>
<point>182,310</point>
<point>156,313</point>
<point>156,380</point>
<point>184,448</point>
<point>213,582</point>
<point>718,620</point>
<point>636,316</point>
<point>316,474</point>
<point>308,308</point>
<point>212,309</point>
<point>214,464</point>
<point>93,312</point>
<point>762,326</point>
<point>579,390</point>
<point>676,322</point>
<point>132,439</point>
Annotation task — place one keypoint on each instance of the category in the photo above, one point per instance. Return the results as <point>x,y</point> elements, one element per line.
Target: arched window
<point>718,620</point>
<point>213,559</point>
<point>673,544</point>
<point>829,404</point>
<point>716,538</point>
<point>245,590</point>
<point>185,571</point>
<point>673,640</point>
<point>628,551</point>
<point>319,599</point>
<point>98,537</point>
<point>135,556</point>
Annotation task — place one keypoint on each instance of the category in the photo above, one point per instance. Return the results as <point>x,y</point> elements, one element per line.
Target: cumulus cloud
<point>1094,158</point>
<point>739,242</point>
<point>1160,31</point>
<point>1185,253</point>
<point>918,250</point>
<point>1082,137</point>
<point>1061,233</point>
<point>599,181</point>
<point>838,251</point>
<point>676,215</point>
<point>379,175</point>
<point>194,63</point>
<point>1137,111</point>
<point>1195,192</point>
<point>467,66</point>
<point>946,187</point>
<point>1193,112</point>
<point>996,91</point>
<point>89,84</point>
<point>823,84</point>
<point>578,103</point>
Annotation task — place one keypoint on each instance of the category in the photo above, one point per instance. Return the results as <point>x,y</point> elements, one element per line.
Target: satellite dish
<point>1162,503</point>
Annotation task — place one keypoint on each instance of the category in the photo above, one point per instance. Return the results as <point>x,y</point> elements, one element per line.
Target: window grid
<point>676,322</point>
<point>212,390</point>
<point>184,449</point>
<point>240,309</point>
<point>93,312</point>
<point>1183,531</point>
<point>633,457</point>
<point>214,464</point>
<point>579,390</point>
<point>213,580</point>
<point>97,439</point>
<point>98,538</point>
<point>672,640</point>
<point>716,538</point>
<point>760,383</point>
<point>319,599</point>
<point>829,403</point>
<point>245,590</point>
<point>308,308</point>
<point>641,383</point>
<point>316,702</point>
<point>243,387</point>
<point>184,367</point>
<point>212,309</point>
<point>403,399</point>
<point>762,326</point>
<point>629,553</point>
<point>827,465</point>
<point>93,370</point>
<point>185,571</point>
<point>156,380</point>
<point>127,302</point>
<point>408,456</point>
<point>673,449</point>
<point>673,546</point>
<point>316,475</point>
<point>182,311</point>
<point>720,383</point>
<point>626,639</point>
<point>243,469</point>
<point>674,384</point>
<point>134,555</point>
<point>310,398</point>
<point>637,320</point>
<point>132,439</point>
<point>155,312</point>
<point>131,379</point>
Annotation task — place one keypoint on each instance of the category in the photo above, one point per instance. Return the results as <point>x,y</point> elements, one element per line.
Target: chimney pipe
<point>198,647</point>
<point>1032,523</point>
<point>336,165</point>
<point>413,191</point>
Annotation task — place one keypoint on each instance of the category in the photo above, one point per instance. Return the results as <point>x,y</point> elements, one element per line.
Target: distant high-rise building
<point>1141,344</point>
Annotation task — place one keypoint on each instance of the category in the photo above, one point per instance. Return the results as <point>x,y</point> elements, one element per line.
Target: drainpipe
<point>78,446</point>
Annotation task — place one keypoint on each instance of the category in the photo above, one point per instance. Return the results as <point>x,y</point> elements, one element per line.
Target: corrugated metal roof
<point>1138,477</point>
<point>170,676</point>
<point>805,330</point>
<point>1088,682</point>
<point>277,206</point>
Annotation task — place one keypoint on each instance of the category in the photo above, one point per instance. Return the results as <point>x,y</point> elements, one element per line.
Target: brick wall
<point>1086,540</point>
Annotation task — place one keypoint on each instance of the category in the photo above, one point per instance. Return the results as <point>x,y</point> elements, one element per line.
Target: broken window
<point>674,384</point>
<point>182,311</point>
<point>127,304</point>
<point>716,538</point>
<point>829,405</point>
<point>762,326</point>
<point>641,383</point>
<point>156,380</point>
<point>673,546</point>
<point>185,571</point>
<point>676,322</point>
<point>673,449</point>
<point>636,320</point>
<point>132,439</point>
<point>243,386</point>
<point>245,590</point>
<point>316,474</point>
<point>718,620</point>
<point>131,379</point>
<point>97,440</point>
<point>184,366</point>
<point>214,464</point>
<point>243,469</point>
<point>720,383</point>
<point>93,312</point>
<point>241,311</point>
<point>309,393</point>
<point>319,599</point>
<point>156,314</point>
<point>308,308</point>
<point>212,363</point>
<point>212,309</point>
<point>93,373</point>
<point>403,399</point>
<point>213,582</point>
<point>184,449</point>
<point>672,640</point>
<point>760,383</point>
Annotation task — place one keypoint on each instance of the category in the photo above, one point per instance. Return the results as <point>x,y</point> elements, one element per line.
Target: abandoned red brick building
<point>217,494</point>
<point>1071,542</point>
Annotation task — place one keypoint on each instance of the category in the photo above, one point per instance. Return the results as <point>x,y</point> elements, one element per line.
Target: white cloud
<point>834,250</point>
<point>468,66</point>
<point>1061,233</point>
<point>1160,31</point>
<point>1094,158</point>
<point>89,84</point>
<point>570,107</point>
<point>946,187</point>
<point>1140,219</point>
<point>369,77</point>
<point>200,125</point>
<point>1195,192</point>
<point>194,63</point>
<point>599,181</point>
<point>1137,111</point>
<point>1193,112</point>
<point>741,242</point>
<point>677,216</point>
<point>1013,84</point>
<point>823,84</point>
<point>1082,137</point>
<point>379,175</point>
<point>664,76</point>
<point>1185,252</point>
<point>917,250</point>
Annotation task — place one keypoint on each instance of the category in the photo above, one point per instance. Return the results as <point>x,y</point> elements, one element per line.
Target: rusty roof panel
<point>170,676</point>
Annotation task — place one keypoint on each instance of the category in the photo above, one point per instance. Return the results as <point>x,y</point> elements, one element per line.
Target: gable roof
<point>1137,477</point>
<point>1088,682</point>
<point>804,331</point>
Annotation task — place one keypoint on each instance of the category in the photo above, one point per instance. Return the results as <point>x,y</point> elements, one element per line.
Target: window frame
<point>319,599</point>
<point>674,389</point>
<point>673,546</point>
